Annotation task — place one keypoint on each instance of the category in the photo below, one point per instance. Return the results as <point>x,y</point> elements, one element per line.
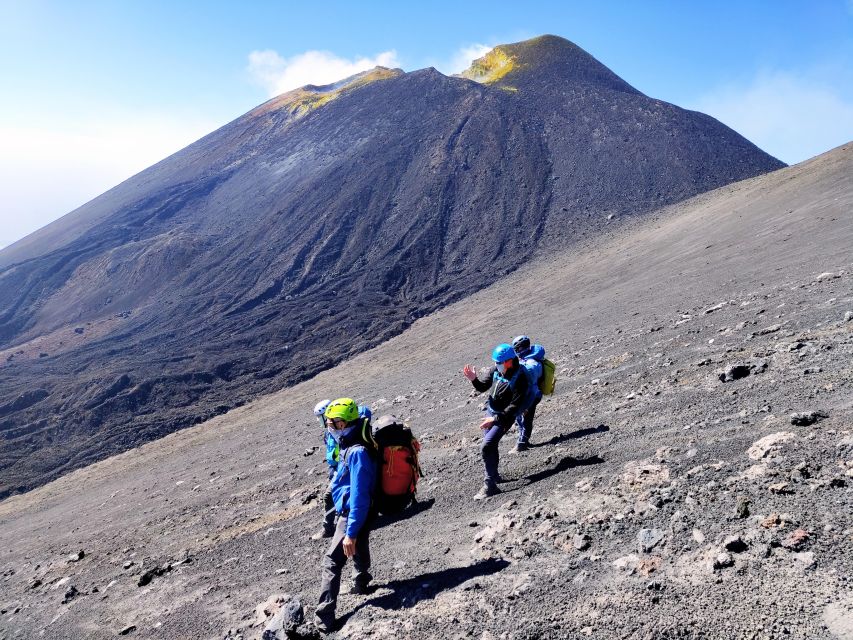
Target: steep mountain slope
<point>316,226</point>
<point>658,502</point>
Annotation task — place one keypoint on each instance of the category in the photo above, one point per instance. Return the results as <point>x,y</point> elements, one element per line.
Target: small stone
<point>648,539</point>
<point>127,630</point>
<point>647,566</point>
<point>806,559</point>
<point>735,372</point>
<point>288,622</point>
<point>771,521</point>
<point>77,557</point>
<point>698,536</point>
<point>581,542</point>
<point>796,540</point>
<point>722,560</point>
<point>827,275</point>
<point>769,444</point>
<point>735,544</point>
<point>70,594</point>
<point>805,418</point>
<point>128,564</point>
<point>628,563</point>
<point>779,488</point>
<point>848,316</point>
<point>742,507</point>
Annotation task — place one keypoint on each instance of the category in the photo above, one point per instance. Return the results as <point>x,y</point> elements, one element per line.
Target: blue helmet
<point>364,412</point>
<point>502,353</point>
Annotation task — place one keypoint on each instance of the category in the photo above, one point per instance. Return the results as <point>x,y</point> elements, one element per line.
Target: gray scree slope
<point>658,502</point>
<point>314,227</point>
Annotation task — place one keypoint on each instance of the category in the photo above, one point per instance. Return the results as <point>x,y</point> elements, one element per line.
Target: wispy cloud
<point>277,74</point>
<point>462,58</point>
<point>48,170</point>
<point>792,116</point>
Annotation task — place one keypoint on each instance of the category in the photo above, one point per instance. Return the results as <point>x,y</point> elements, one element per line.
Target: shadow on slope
<point>409,592</point>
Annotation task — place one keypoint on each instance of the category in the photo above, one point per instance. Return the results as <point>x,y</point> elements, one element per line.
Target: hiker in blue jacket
<point>531,357</point>
<point>332,455</point>
<point>352,493</point>
<point>509,396</point>
<point>332,452</point>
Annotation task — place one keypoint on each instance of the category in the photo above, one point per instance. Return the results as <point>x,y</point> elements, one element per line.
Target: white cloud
<point>792,116</point>
<point>277,74</point>
<point>463,58</point>
<point>47,171</point>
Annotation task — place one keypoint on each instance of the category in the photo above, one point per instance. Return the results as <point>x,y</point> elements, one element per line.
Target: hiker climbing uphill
<point>532,358</point>
<point>352,492</point>
<point>332,454</point>
<point>510,394</point>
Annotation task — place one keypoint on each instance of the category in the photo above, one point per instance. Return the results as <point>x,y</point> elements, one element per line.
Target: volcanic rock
<point>735,372</point>
<point>806,418</point>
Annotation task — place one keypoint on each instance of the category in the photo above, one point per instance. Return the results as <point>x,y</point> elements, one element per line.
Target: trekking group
<point>374,469</point>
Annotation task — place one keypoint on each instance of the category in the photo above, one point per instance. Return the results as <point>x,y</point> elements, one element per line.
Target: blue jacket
<point>352,486</point>
<point>532,361</point>
<point>332,449</point>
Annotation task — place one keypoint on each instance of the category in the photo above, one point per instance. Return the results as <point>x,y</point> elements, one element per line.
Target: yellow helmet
<point>343,409</point>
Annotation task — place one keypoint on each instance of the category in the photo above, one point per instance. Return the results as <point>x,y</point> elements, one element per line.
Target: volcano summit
<point>317,225</point>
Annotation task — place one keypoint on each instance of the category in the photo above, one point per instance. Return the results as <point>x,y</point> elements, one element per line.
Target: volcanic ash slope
<point>691,477</point>
<point>217,275</point>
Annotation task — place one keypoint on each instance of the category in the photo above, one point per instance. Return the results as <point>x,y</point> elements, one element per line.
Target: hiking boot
<point>520,447</point>
<point>324,624</point>
<point>325,533</point>
<point>487,491</point>
<point>360,588</point>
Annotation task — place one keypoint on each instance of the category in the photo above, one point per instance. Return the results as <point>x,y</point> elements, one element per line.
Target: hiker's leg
<point>329,509</point>
<point>525,424</point>
<point>361,560</point>
<point>333,566</point>
<point>491,455</point>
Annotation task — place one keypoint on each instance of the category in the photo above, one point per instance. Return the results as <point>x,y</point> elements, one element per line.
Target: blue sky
<point>93,92</point>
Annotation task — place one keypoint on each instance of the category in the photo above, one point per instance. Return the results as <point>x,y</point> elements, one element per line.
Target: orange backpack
<point>399,469</point>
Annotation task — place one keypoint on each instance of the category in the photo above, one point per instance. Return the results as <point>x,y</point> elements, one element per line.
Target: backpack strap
<point>499,378</point>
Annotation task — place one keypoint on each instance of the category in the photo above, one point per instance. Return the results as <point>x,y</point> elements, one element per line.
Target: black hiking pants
<point>329,513</point>
<point>334,561</point>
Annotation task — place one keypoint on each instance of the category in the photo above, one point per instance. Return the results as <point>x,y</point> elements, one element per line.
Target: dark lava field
<point>315,227</point>
<point>692,476</point>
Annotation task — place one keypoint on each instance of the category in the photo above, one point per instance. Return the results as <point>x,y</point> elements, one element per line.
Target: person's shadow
<point>407,593</point>
<point>574,435</point>
<point>564,464</point>
<point>412,510</point>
